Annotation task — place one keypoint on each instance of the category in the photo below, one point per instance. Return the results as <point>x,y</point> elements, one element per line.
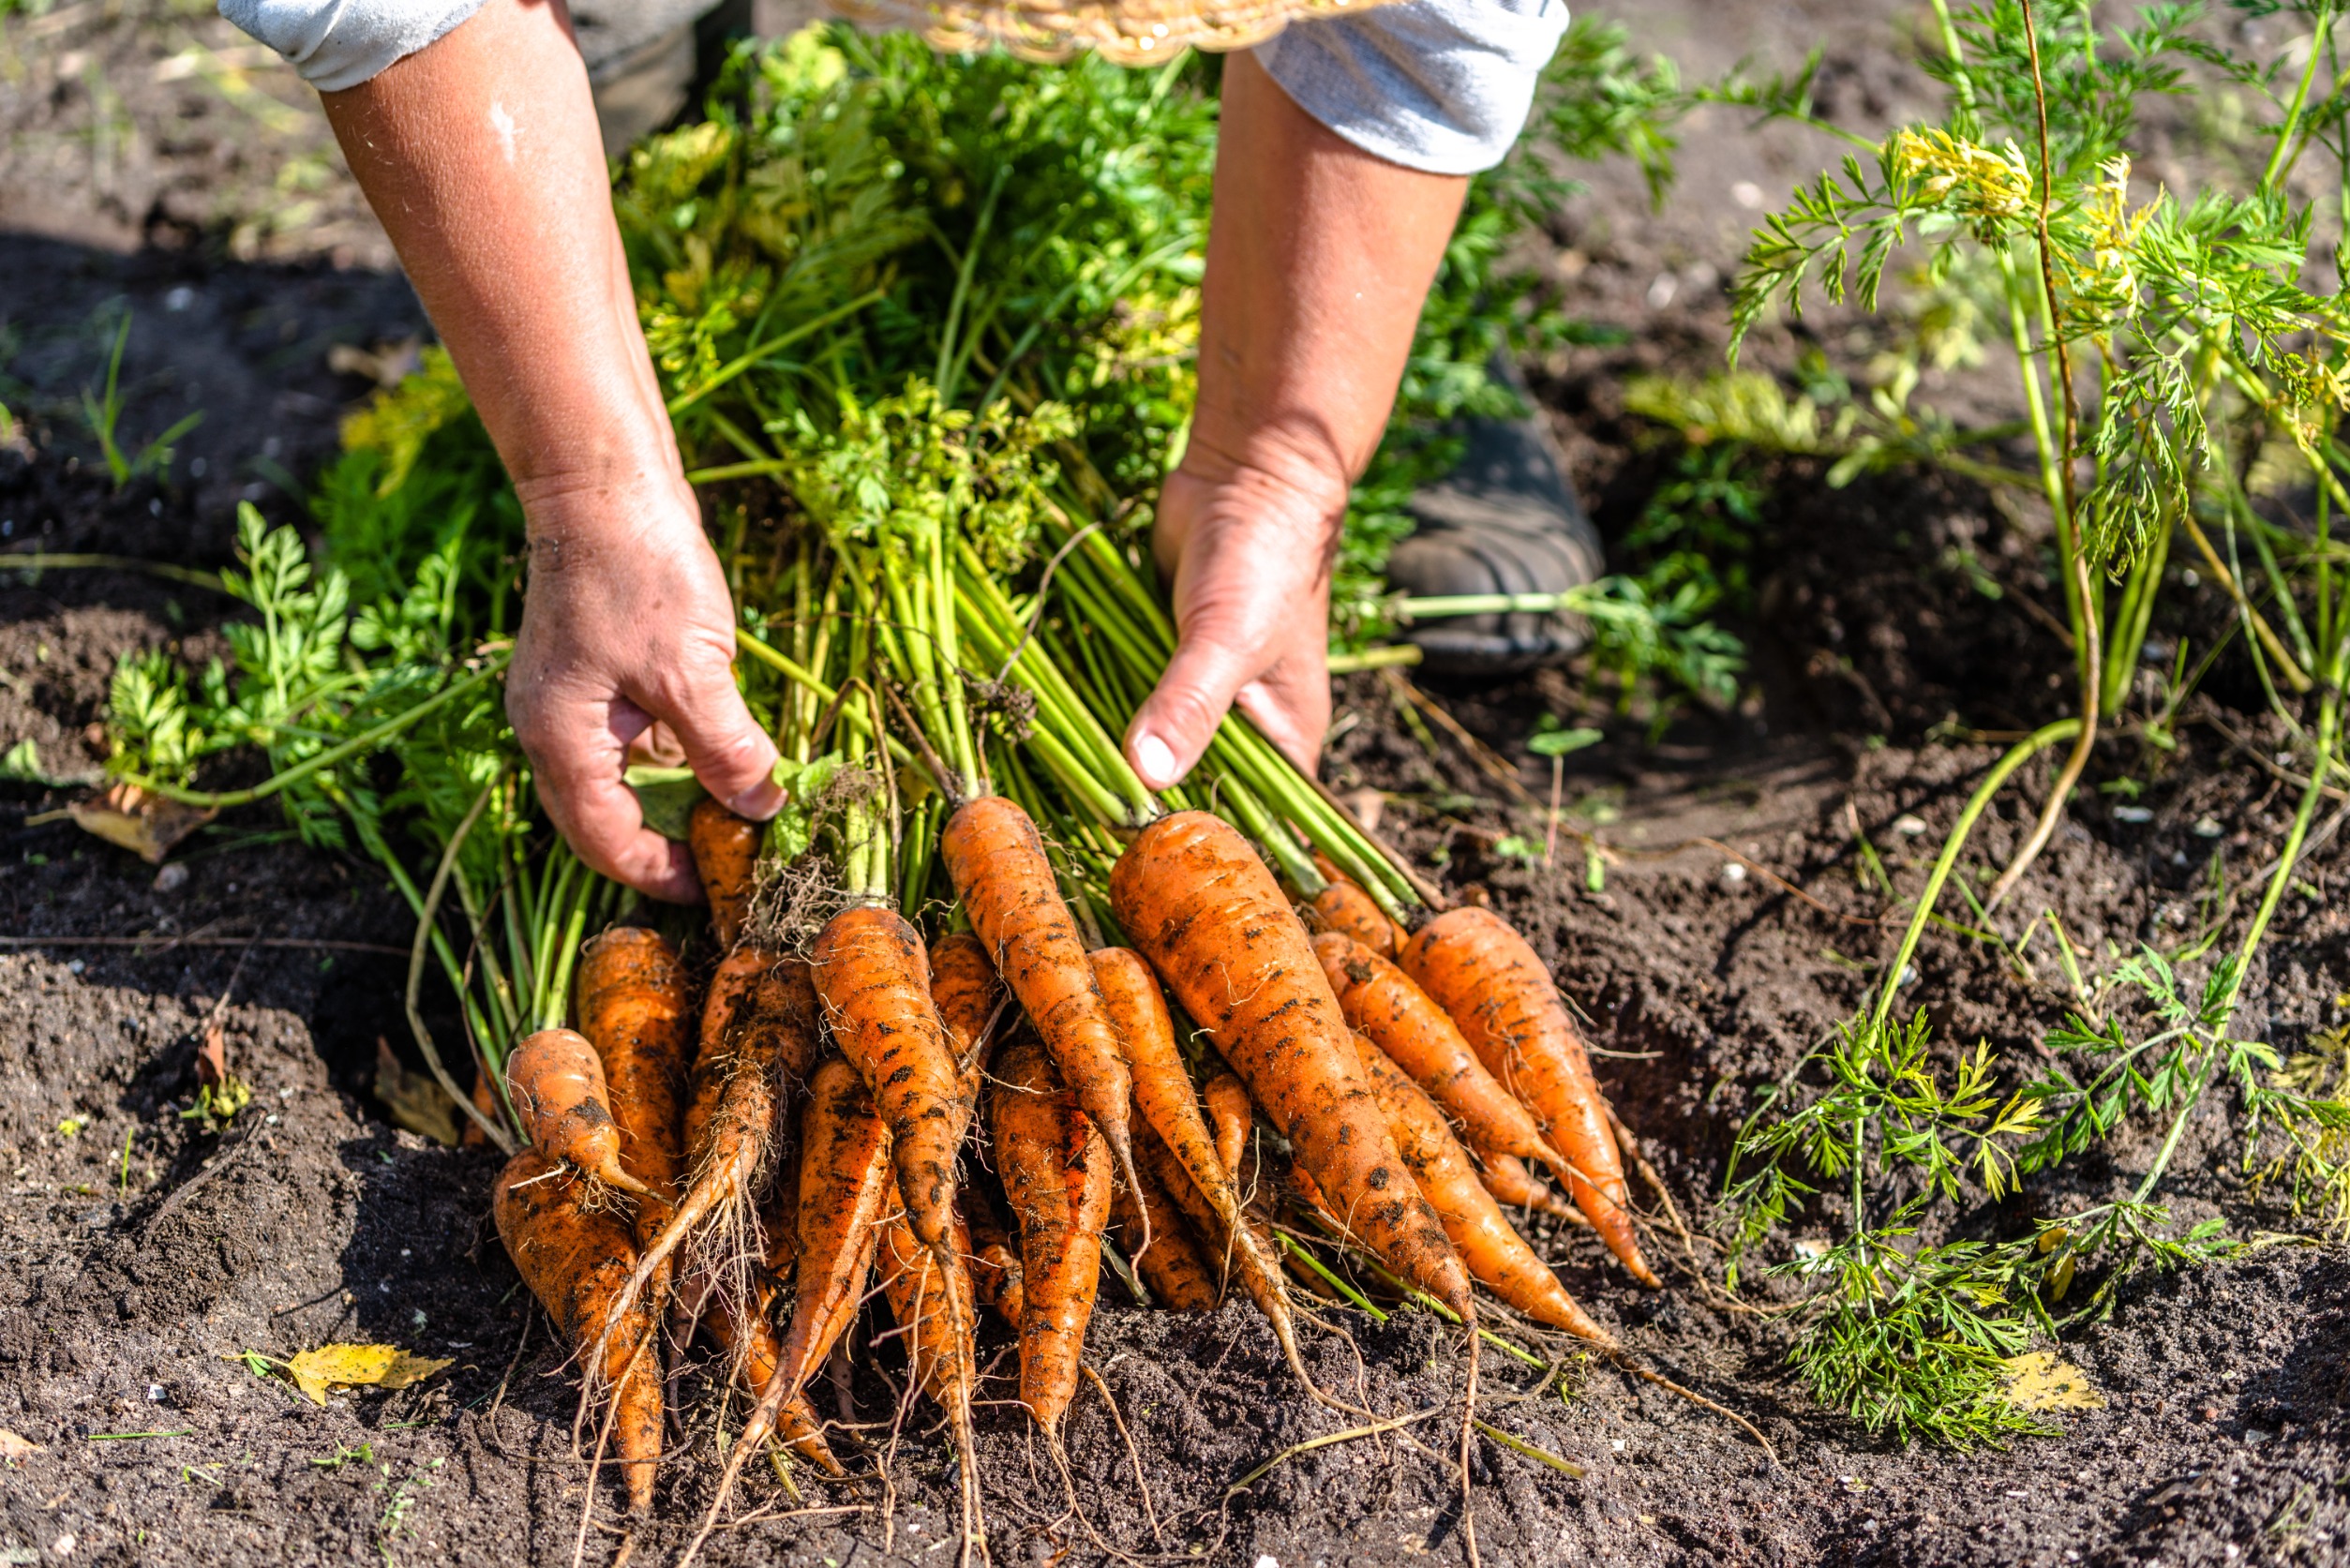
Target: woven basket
<point>1125,32</point>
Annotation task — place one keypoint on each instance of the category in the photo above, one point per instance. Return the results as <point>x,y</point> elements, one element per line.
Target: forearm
<point>480,154</point>
<point>1319,258</point>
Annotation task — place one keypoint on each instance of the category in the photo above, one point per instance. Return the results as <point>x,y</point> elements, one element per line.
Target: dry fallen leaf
<point>415,1100</point>
<point>2040,1381</point>
<point>14,1447</point>
<point>358,1366</point>
<point>146,825</point>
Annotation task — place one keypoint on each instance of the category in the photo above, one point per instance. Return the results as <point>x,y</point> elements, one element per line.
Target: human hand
<point>1247,547</point>
<point>627,622</point>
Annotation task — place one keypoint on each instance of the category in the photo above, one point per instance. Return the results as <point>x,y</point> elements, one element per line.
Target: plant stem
<point>300,770</point>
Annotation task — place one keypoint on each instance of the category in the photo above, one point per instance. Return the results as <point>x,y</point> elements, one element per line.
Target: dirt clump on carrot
<point>1055,1166</point>
<point>1202,906</point>
<point>1500,994</point>
<point>577,1259</point>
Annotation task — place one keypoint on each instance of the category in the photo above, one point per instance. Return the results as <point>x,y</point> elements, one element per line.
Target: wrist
<point>608,515</point>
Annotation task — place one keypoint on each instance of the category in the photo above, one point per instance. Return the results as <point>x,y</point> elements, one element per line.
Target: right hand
<point>627,622</point>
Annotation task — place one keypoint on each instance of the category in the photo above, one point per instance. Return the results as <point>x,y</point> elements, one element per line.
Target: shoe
<point>1504,521</point>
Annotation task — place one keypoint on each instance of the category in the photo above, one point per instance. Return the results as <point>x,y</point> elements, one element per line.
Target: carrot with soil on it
<point>1501,996</point>
<point>576,1260</point>
<point>930,1296</point>
<point>1380,1000</point>
<point>1494,1251</point>
<point>1344,906</point>
<point>997,860</point>
<point>1212,922</point>
<point>969,996</point>
<point>1170,1108</point>
<point>1180,1279</point>
<point>558,1087</point>
<point>726,855</point>
<point>873,980</point>
<point>995,1275</point>
<point>1055,1166</point>
<point>1514,1187</point>
<point>1229,1116</point>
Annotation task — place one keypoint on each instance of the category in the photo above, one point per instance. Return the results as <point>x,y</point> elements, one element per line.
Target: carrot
<point>1495,1253</point>
<point>1170,1108</point>
<point>1417,1036</point>
<point>748,1338</point>
<point>1514,1187</point>
<point>1055,1166</point>
<point>558,1088</point>
<point>1180,1277</point>
<point>1501,996</point>
<point>632,1005</point>
<point>576,1260</point>
<point>1228,1114</point>
<point>997,860</point>
<point>995,1275</point>
<point>1344,906</point>
<point>727,853</point>
<point>1212,922</point>
<point>873,980</point>
<point>843,1178</point>
<point>485,1101</point>
<point>964,987</point>
<point>932,1308</point>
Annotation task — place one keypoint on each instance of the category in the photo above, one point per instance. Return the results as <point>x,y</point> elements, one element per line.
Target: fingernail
<point>760,801</point>
<point>1154,761</point>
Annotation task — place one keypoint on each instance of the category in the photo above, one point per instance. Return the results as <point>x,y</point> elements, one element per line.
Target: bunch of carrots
<point>977,947</point>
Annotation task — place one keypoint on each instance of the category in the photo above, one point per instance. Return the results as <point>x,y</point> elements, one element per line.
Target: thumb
<point>1173,727</point>
<point>734,758</point>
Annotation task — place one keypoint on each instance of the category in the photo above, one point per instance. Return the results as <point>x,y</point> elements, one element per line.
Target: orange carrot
<point>1344,906</point>
<point>1180,1277</point>
<point>1417,1036</point>
<point>995,1262</point>
<point>727,853</point>
<point>969,995</point>
<point>1056,1167</point>
<point>1228,1114</point>
<point>576,1260</point>
<point>844,1179</point>
<point>1514,1187</point>
<point>1483,973</point>
<point>1169,1108</point>
<point>873,980</point>
<point>934,1308</point>
<point>1213,922</point>
<point>632,1005</point>
<point>558,1089</point>
<point>470,1135</point>
<point>748,1338</point>
<point>997,860</point>
<point>1495,1253</point>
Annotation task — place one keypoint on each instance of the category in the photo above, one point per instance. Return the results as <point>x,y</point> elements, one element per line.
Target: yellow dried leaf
<point>146,825</point>
<point>358,1366</point>
<point>2041,1381</point>
<point>15,1447</point>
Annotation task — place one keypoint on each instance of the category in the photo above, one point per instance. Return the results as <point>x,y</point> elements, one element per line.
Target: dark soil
<point>144,1252</point>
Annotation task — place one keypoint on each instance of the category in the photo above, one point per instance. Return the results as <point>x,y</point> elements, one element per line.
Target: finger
<point>1291,708</point>
<point>1173,726</point>
<point>734,758</point>
<point>577,751</point>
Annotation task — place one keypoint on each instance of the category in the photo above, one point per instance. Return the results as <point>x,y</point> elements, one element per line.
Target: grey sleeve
<point>1439,85</point>
<point>336,44</point>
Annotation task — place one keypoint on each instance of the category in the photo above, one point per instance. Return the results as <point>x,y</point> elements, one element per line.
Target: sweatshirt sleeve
<point>1439,85</point>
<point>336,44</point>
